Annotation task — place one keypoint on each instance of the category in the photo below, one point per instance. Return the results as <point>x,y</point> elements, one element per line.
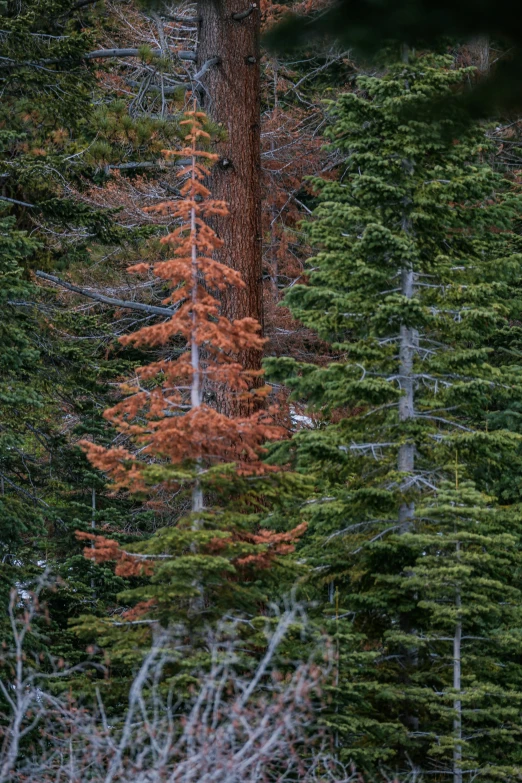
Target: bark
<point>195,399</point>
<point>457,685</point>
<point>408,340</point>
<point>480,50</point>
<point>230,95</point>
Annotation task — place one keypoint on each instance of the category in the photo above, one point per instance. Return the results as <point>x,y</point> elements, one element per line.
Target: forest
<point>260,391</point>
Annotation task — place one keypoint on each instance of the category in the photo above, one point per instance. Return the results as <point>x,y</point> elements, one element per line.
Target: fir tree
<point>415,275</point>
<point>211,558</point>
<point>466,578</point>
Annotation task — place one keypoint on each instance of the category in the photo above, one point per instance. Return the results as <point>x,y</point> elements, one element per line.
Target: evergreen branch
<point>26,493</point>
<point>366,447</point>
<point>376,538</point>
<point>358,525</point>
<point>106,299</point>
<point>170,90</point>
<point>444,421</point>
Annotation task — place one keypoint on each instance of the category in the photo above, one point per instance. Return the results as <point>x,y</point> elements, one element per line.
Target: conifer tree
<point>466,577</point>
<point>188,446</point>
<point>414,278</point>
<point>19,396</point>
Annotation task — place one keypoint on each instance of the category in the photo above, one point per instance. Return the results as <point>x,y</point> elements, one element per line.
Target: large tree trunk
<point>231,97</point>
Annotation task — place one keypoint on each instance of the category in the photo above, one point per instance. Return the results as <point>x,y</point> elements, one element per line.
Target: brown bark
<point>231,97</point>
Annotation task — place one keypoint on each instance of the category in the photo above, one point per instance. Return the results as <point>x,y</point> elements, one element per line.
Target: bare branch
<point>98,54</point>
<point>147,164</point>
<point>243,14</point>
<point>238,724</point>
<point>15,201</point>
<point>107,299</point>
<point>204,68</point>
<point>102,53</point>
<point>182,19</point>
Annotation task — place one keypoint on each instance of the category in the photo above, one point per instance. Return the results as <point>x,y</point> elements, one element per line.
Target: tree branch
<point>204,68</point>
<point>81,4</point>
<point>152,309</point>
<point>147,164</point>
<point>15,201</point>
<point>178,18</point>
<point>243,14</point>
<point>171,90</point>
<point>101,53</point>
<point>98,54</point>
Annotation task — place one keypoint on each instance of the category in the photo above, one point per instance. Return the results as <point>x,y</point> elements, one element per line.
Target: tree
<point>229,33</point>
<point>419,24</point>
<point>415,276</point>
<point>21,397</point>
<point>467,580</point>
<point>196,448</point>
<point>56,358</point>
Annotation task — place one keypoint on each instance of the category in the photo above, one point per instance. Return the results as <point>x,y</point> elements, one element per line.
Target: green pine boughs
<point>415,277</point>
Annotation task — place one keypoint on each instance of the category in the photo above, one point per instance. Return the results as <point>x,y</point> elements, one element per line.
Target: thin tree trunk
<point>231,98</point>
<point>93,521</point>
<point>457,686</point>
<point>480,51</point>
<point>195,398</point>
<point>408,340</point>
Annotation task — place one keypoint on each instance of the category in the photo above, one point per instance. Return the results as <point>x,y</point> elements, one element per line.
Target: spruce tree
<point>414,277</point>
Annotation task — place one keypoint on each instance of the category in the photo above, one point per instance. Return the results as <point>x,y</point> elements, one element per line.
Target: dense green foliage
<point>415,279</point>
<point>405,455</point>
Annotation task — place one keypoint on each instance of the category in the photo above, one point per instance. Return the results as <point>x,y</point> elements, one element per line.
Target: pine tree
<point>19,397</point>
<point>466,578</point>
<point>414,278</point>
<point>211,558</point>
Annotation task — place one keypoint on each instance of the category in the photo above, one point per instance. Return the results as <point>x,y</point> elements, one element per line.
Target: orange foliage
<point>168,410</point>
<point>269,545</point>
<point>103,550</point>
<point>139,610</point>
<point>178,425</point>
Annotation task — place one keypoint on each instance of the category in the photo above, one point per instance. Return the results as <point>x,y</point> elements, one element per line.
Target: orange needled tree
<point>213,555</point>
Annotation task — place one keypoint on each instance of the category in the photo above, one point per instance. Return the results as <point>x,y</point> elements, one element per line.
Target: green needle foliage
<point>366,26</point>
<point>414,279</point>
<point>467,581</point>
<point>18,395</point>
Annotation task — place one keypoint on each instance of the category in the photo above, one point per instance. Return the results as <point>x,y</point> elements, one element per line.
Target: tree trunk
<point>408,340</point>
<point>480,51</point>
<point>231,97</point>
<point>457,685</point>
